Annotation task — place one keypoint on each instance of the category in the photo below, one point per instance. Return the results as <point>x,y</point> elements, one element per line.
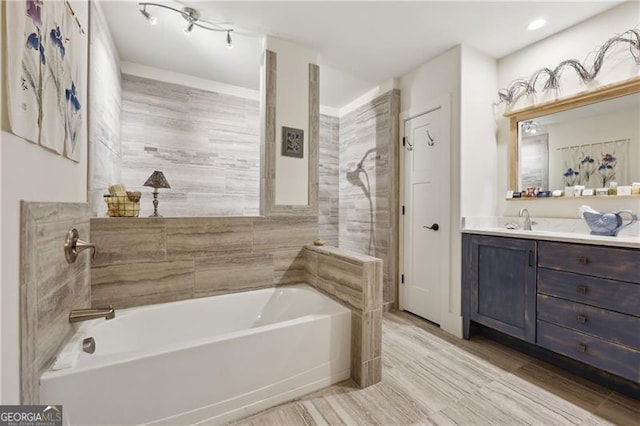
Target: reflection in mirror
<point>590,140</point>
<point>534,157</point>
<point>189,107</point>
<point>592,146</point>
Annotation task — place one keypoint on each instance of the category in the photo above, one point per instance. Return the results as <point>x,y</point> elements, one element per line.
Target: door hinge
<point>404,140</point>
<point>402,210</point>
<point>402,278</point>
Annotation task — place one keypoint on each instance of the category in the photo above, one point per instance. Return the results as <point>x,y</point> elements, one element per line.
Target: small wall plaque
<point>292,142</point>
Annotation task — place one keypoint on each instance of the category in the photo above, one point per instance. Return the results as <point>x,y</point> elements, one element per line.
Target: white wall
<point>579,42</point>
<point>292,106</point>
<point>478,155</point>
<point>419,88</point>
<point>468,77</point>
<point>28,172</point>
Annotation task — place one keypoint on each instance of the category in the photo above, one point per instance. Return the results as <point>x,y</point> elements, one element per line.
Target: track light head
<point>229,41</point>
<point>150,18</point>
<point>189,28</point>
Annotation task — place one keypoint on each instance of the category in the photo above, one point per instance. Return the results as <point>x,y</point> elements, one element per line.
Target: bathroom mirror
<point>589,139</point>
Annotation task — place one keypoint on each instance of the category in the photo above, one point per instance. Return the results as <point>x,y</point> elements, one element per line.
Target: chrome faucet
<point>527,219</point>
<point>77,315</point>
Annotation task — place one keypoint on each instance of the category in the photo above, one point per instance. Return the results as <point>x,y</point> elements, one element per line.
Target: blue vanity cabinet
<point>576,305</point>
<point>499,284</point>
<point>589,305</point>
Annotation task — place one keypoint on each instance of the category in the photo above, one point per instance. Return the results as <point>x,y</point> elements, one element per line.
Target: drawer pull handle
<point>582,347</point>
<point>583,260</point>
<point>581,319</point>
<point>582,289</point>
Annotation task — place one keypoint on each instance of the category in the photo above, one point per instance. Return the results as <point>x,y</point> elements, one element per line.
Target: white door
<point>426,217</point>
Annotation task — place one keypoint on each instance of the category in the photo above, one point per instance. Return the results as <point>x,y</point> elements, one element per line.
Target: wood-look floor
<point>430,377</point>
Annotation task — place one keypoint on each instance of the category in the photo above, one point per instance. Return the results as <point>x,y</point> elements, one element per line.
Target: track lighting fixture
<point>191,15</point>
<point>530,127</point>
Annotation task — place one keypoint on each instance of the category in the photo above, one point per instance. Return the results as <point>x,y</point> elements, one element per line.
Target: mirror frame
<point>603,93</point>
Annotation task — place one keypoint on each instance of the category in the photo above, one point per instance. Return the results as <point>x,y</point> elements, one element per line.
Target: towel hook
<point>74,245</point>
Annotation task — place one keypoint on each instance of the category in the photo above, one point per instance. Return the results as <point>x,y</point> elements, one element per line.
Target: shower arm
<point>364,157</point>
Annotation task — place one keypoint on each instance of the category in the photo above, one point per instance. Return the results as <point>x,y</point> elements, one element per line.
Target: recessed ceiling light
<point>536,23</point>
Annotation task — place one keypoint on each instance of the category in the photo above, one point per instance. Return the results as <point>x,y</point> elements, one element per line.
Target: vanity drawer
<point>598,261</point>
<point>615,295</point>
<point>617,359</point>
<point>608,325</point>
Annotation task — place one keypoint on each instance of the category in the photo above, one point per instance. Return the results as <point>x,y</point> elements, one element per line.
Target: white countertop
<point>550,229</point>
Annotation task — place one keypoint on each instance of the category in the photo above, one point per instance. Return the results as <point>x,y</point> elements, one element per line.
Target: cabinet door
<point>502,284</point>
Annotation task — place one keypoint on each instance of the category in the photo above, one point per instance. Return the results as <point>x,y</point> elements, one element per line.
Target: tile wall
<point>368,198</point>
<point>206,143</point>
<point>49,286</point>
<point>328,179</point>
<point>105,103</point>
<point>143,261</point>
<point>355,280</point>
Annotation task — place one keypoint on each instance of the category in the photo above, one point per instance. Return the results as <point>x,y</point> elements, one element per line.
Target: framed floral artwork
<point>47,71</point>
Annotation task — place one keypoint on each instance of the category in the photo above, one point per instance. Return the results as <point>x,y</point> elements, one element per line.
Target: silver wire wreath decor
<point>520,87</point>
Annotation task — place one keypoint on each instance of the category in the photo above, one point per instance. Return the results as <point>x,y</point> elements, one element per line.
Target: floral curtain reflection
<point>595,165</point>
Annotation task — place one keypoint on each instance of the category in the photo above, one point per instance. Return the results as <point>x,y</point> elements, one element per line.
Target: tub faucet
<point>77,315</point>
<point>527,219</point>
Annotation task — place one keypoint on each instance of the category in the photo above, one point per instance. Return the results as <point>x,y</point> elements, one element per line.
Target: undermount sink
<point>519,230</point>
<point>512,226</point>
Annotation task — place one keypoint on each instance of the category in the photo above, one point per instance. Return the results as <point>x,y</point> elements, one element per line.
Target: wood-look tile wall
<point>368,199</point>
<point>105,103</point>
<point>49,286</point>
<point>328,179</point>
<point>144,261</point>
<point>206,143</point>
<point>355,280</point>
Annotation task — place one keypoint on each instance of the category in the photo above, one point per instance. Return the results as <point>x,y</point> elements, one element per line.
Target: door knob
<point>433,227</point>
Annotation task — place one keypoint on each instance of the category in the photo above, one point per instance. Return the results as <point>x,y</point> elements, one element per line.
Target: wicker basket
<point>122,206</point>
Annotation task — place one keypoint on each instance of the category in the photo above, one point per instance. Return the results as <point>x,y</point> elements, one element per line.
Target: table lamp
<point>156,180</point>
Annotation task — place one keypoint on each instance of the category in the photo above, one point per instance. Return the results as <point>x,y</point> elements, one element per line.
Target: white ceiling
<point>360,44</point>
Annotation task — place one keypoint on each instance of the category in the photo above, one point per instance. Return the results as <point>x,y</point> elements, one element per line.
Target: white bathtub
<point>216,358</point>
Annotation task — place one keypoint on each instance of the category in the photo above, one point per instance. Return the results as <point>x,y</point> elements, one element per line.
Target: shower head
<point>354,176</point>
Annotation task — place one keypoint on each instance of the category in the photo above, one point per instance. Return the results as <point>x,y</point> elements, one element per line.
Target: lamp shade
<point>157,180</point>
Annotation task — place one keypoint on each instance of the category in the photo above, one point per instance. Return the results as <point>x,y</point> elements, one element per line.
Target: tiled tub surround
<point>49,286</point>
<point>368,202</point>
<point>356,281</point>
<point>210,359</point>
<point>206,143</point>
<point>145,261</point>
